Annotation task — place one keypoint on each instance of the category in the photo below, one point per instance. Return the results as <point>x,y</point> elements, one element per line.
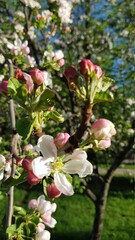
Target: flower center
<point>57,165</point>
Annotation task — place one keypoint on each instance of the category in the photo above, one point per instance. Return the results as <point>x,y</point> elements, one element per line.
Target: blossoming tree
<point>30,67</point>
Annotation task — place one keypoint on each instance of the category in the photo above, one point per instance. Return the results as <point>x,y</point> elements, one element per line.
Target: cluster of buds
<point>102,130</point>
<point>86,69</point>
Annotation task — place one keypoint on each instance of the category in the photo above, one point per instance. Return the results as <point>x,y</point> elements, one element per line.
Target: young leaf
<point>24,127</point>
<point>103,97</point>
<point>20,210</point>
<point>44,100</point>
<point>12,181</point>
<point>13,85</point>
<point>54,115</point>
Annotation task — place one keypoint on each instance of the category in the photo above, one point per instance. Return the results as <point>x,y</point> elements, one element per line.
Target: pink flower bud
<point>52,191</point>
<point>3,87</point>
<point>71,74</point>
<point>27,164</point>
<point>61,139</point>
<point>38,17</point>
<point>9,160</point>
<point>103,129</point>
<point>51,108</point>
<point>32,204</point>
<point>19,160</point>
<point>37,76</point>
<point>104,143</point>
<point>26,50</point>
<point>40,227</point>
<point>98,71</point>
<point>47,216</point>
<point>32,179</point>
<point>19,75</point>
<point>86,66</point>
<point>27,147</point>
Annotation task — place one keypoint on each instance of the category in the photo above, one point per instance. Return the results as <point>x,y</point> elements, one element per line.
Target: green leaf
<point>104,84</point>
<point>20,210</point>
<point>24,127</point>
<point>103,97</point>
<point>12,181</point>
<point>13,85</point>
<point>35,220</point>
<point>11,230</point>
<point>54,115</point>
<point>44,100</point>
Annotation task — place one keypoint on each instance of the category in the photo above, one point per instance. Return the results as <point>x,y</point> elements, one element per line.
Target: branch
<point>90,194</point>
<point>74,140</point>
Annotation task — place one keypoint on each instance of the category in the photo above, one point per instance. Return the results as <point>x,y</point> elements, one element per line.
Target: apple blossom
<point>37,76</point>
<point>26,164</point>
<point>49,164</point>
<point>18,47</point>
<point>98,71</point>
<point>3,166</point>
<point>45,209</point>
<point>103,129</point>
<point>71,74</point>
<point>27,148</point>
<point>61,139</point>
<point>44,235</point>
<point>40,226</point>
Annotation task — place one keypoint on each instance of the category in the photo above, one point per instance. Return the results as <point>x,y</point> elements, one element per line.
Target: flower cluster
<point>58,167</point>
<point>4,166</point>
<point>57,57</point>
<point>19,48</point>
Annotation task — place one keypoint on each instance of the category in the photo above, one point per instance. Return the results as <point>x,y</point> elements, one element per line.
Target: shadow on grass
<point>70,236</point>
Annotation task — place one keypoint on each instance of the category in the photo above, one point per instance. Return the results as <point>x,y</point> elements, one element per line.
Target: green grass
<point>75,214</point>
<point>123,166</point>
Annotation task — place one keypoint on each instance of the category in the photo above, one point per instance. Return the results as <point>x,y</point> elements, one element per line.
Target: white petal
<point>41,167</point>
<point>10,45</point>
<point>53,207</point>
<point>2,160</point>
<point>51,223</point>
<point>1,174</point>
<point>80,167</point>
<point>76,155</point>
<point>25,44</point>
<point>63,185</point>
<point>44,235</point>
<point>7,167</point>
<point>47,146</point>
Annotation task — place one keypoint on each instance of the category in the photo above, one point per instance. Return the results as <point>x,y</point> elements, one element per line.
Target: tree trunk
<point>100,206</point>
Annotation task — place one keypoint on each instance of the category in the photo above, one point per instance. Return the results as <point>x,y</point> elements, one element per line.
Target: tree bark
<point>100,206</point>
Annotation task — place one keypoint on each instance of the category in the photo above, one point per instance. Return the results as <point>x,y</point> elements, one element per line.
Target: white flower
<point>19,28</point>
<point>20,14</point>
<point>44,235</point>
<point>49,55</point>
<point>45,208</point>
<point>31,33</point>
<point>3,166</point>
<point>1,78</point>
<point>59,54</point>
<point>2,59</point>
<point>48,78</point>
<point>18,47</point>
<point>130,131</point>
<point>75,163</point>
<point>31,3</point>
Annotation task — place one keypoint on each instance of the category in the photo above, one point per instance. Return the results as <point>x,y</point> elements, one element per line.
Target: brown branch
<point>90,194</point>
<point>74,139</point>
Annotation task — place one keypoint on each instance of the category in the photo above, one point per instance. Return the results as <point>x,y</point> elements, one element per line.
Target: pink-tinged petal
<point>86,66</point>
<point>80,167</point>
<point>29,83</point>
<point>63,185</point>
<point>19,75</point>
<point>37,76</point>
<point>51,223</point>
<point>44,235</point>
<point>27,164</point>
<point>3,87</point>
<point>76,155</point>
<point>98,71</point>
<point>32,204</point>
<point>40,227</point>
<point>41,167</point>
<point>61,139</point>
<point>52,191</point>
<point>32,179</point>
<point>47,147</point>
<point>105,143</point>
<point>46,217</point>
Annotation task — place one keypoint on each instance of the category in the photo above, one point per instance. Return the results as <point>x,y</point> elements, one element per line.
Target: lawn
<point>75,214</point>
